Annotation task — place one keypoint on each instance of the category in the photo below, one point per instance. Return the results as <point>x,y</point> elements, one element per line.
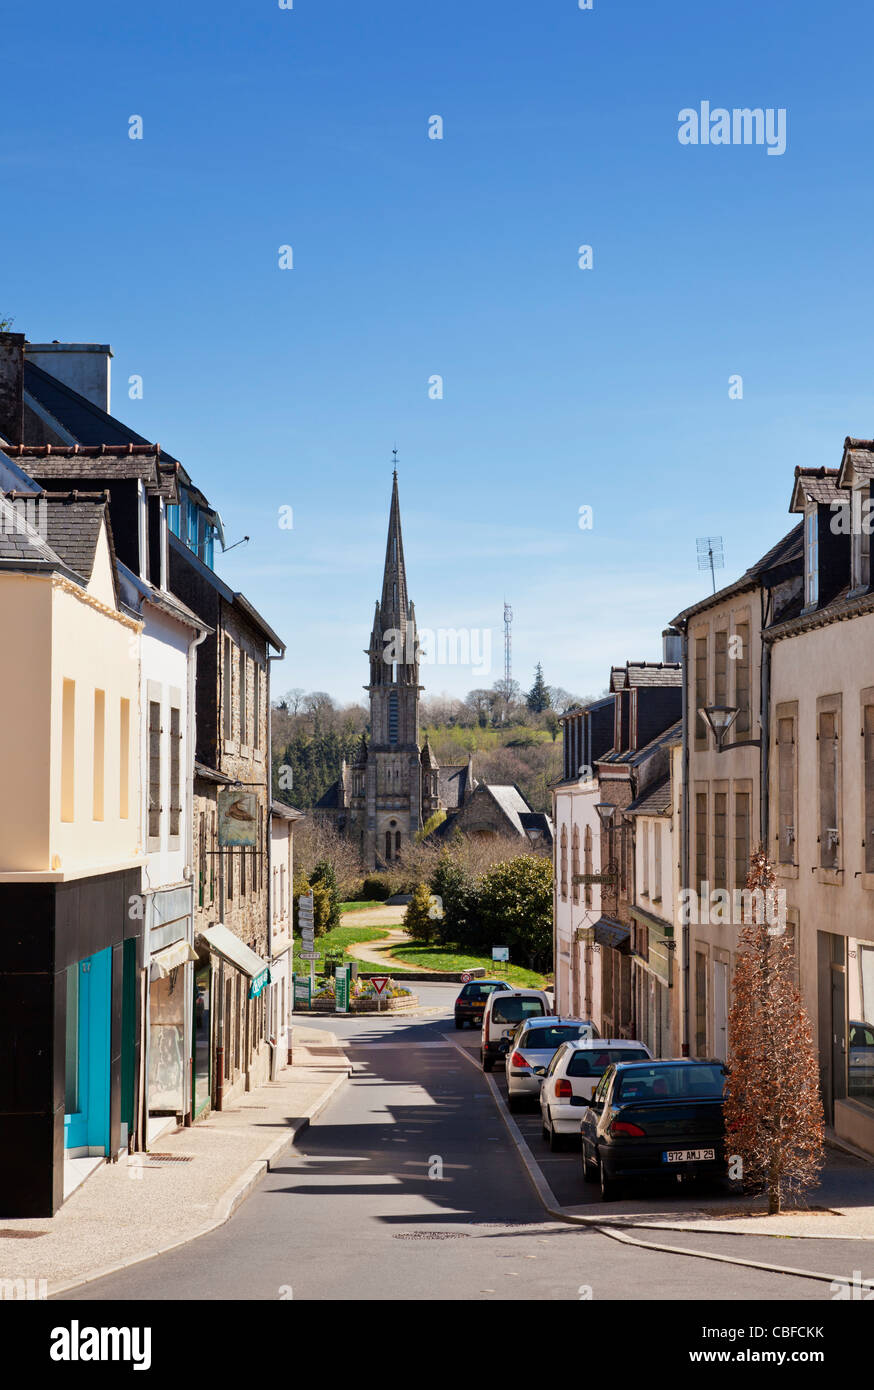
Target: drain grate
<point>431,1235</point>
<point>170,1158</point>
<point>21,1235</point>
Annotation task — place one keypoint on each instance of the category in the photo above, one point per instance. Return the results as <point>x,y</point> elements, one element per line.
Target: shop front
<point>169,1026</point>
<point>854,1110</point>
<point>237,1014</point>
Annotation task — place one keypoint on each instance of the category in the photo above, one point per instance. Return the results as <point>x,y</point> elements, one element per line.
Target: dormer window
<point>811,558</point>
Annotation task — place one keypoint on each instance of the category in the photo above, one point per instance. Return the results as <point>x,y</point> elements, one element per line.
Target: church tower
<point>391,766</point>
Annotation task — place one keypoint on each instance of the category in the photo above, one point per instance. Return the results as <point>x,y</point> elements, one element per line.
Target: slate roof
<point>633,756</point>
<point>452,785</point>
<point>77,415</point>
<point>19,539</point>
<point>159,598</point>
<point>73,522</point>
<point>785,552</point>
<point>330,800</point>
<point>99,463</point>
<point>818,485</point>
<point>655,801</point>
<point>512,803</point>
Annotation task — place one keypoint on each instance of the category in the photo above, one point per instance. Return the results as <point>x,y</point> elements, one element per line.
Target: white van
<point>504,1011</point>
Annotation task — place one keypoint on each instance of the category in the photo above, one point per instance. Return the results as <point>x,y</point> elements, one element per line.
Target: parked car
<point>861,1049</point>
<point>504,1010</point>
<point>532,1048</point>
<point>657,1120</point>
<point>472,1000</point>
<point>570,1080</point>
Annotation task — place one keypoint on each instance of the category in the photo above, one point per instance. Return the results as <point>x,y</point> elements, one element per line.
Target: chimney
<point>82,366</point>
<point>672,646</point>
<point>12,387</point>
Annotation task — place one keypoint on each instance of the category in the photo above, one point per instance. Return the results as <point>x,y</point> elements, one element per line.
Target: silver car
<point>532,1047</point>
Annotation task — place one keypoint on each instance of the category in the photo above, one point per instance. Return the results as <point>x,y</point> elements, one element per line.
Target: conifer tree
<point>539,697</point>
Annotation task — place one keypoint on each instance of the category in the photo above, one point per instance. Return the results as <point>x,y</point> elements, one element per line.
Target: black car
<point>472,1000</point>
<point>654,1120</point>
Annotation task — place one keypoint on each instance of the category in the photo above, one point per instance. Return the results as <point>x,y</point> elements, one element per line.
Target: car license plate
<point>689,1155</point>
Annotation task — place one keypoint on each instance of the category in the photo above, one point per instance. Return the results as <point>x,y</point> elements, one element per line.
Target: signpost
<point>501,954</point>
<point>379,983</point>
<point>341,989</point>
<point>303,996</point>
<point>306,922</point>
<point>466,979</point>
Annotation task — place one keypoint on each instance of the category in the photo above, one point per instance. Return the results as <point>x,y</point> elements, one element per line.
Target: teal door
<point>86,1105</point>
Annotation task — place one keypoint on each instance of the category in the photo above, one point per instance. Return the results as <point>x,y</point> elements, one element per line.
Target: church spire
<point>394,606</point>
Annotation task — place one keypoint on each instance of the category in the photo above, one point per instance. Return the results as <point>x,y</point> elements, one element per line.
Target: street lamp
<point>719,719</point>
<point>606,812</point>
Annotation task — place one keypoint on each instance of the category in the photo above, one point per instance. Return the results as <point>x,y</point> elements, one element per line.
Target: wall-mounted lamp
<point>719,719</point>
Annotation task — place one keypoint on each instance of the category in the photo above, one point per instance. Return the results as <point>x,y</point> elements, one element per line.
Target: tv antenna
<point>710,555</point>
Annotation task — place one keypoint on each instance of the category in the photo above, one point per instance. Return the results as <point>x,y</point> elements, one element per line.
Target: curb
<point>618,1231</point>
<point>232,1198</point>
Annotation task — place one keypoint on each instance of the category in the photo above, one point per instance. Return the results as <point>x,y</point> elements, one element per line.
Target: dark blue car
<point>656,1119</point>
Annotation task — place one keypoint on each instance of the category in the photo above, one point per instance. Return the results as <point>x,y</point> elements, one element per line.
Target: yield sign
<point>379,982</point>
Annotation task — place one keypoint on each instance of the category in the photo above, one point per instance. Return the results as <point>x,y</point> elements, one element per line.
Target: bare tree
<point>317,838</point>
<point>773,1110</point>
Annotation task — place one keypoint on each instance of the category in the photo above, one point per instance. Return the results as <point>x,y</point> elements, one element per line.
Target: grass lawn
<point>361,907</point>
<point>418,956</point>
<point>336,940</point>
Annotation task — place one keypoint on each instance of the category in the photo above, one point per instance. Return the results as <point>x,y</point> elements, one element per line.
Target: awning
<point>172,956</point>
<point>610,933</point>
<point>238,954</point>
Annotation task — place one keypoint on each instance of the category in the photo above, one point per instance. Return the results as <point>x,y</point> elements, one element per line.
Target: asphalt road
<point>408,1186</point>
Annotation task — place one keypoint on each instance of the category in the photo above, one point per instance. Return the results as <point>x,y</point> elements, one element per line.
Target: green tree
<point>515,909</point>
<point>325,879</point>
<point>417,919</point>
<point>539,697</point>
<point>457,892</point>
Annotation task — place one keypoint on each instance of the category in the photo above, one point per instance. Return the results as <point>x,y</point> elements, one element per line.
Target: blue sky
<point>413,257</point>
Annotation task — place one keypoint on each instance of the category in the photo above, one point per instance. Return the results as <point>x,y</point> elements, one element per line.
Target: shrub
<point>375,888</point>
<point>418,920</point>
<point>515,909</point>
<point>324,877</point>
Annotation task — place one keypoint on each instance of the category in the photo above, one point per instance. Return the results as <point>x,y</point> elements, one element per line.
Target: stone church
<point>394,785</point>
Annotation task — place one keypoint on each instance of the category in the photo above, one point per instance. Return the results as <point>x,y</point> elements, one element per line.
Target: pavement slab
<point>149,1203</point>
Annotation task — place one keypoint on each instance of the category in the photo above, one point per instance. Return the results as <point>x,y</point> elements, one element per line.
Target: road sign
<point>466,979</point>
<point>302,991</point>
<point>310,955</point>
<point>379,982</point>
<point>500,953</point>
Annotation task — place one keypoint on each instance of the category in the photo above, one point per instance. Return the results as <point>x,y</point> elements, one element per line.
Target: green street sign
<point>302,992</point>
<point>341,990</point>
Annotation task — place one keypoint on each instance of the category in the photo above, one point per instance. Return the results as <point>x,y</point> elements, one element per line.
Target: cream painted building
<point>71,938</point>
<point>821,777</point>
<point>722,809</point>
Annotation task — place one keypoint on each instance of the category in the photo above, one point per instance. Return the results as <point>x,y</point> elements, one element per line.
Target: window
<point>657,861</point>
<point>720,837</point>
<point>227,710</point>
<point>244,722</point>
<point>786,790</point>
<point>700,688</point>
<point>575,864</point>
<point>644,859</point>
<point>587,865</point>
<point>175,763</point>
<point>700,1004</point>
<point>154,781</point>
<point>256,705</point>
<point>68,751</point>
<point>397,843</point>
<point>124,759</point>
<point>393,718</point>
<point>701,838</point>
<point>829,794</point>
<point>742,677</point>
<point>229,1028</point>
<point>861,507</point>
<point>201,859</point>
<point>99,752</point>
<point>720,668</point>
<point>564,863</point>
<point>811,558</point>
<point>741,838</point>
<point>229,854</point>
<point>388,845</point>
<point>868,746</point>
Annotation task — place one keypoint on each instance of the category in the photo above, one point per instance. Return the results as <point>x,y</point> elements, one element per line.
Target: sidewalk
<point>146,1204</point>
